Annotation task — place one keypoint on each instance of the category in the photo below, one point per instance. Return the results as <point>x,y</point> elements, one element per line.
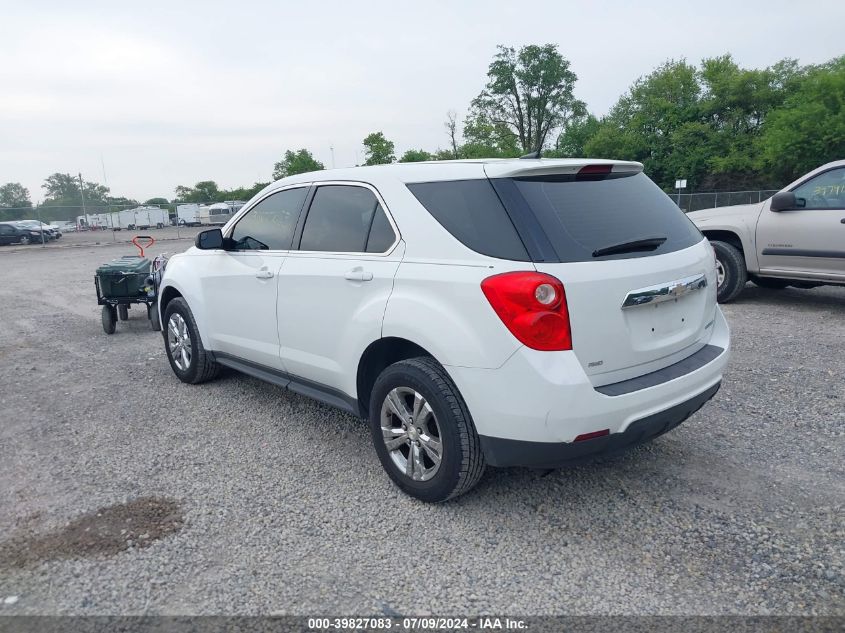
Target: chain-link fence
<point>712,199</point>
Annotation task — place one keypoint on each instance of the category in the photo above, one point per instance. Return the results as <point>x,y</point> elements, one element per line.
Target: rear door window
<point>582,216</point>
<point>346,219</point>
<point>472,212</point>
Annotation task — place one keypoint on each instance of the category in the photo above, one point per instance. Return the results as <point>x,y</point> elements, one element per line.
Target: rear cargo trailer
<point>188,214</point>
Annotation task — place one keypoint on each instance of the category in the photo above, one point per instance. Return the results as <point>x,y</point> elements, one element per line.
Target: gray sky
<point>174,92</point>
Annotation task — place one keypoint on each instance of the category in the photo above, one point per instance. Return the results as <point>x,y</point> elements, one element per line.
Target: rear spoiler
<point>550,167</point>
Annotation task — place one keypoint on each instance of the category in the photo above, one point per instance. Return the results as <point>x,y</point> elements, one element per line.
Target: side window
<point>5,229</point>
<point>825,191</point>
<point>381,233</point>
<point>471,211</point>
<point>269,225</point>
<point>346,219</point>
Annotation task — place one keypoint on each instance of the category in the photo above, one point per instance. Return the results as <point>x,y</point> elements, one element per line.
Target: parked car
<point>521,312</point>
<point>49,232</point>
<point>14,233</point>
<point>795,238</point>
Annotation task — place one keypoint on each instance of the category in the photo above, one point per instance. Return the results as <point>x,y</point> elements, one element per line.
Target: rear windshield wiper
<point>644,244</point>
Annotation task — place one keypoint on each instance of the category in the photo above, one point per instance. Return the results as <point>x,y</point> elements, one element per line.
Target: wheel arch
<point>171,291</point>
<point>167,295</point>
<point>376,357</point>
<point>734,238</point>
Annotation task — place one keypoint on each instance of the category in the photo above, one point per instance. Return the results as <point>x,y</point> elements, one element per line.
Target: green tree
<point>378,150</point>
<point>298,162</point>
<point>61,187</point>
<point>157,201</point>
<point>485,139</point>
<point>203,191</point>
<point>643,124</point>
<point>64,188</point>
<point>444,154</point>
<point>243,193</point>
<point>572,141</point>
<point>14,195</point>
<point>530,92</point>
<point>735,103</point>
<point>809,130</point>
<point>14,201</point>
<point>415,156</point>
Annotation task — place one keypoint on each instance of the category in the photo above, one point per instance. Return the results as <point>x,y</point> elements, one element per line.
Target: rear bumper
<point>505,452</point>
<point>542,401</point>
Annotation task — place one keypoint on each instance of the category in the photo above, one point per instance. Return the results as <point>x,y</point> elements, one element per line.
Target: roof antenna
<point>535,154</point>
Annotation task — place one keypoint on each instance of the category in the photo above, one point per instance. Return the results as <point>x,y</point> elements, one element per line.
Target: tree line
<point>717,125</point>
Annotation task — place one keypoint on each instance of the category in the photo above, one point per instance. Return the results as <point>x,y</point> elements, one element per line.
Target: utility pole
<point>331,147</point>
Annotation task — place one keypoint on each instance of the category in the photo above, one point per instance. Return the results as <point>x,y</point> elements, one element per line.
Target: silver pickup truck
<point>795,238</point>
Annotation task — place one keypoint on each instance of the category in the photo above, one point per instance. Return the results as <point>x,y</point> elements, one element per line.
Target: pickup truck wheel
<point>731,273</point>
<point>423,432</point>
<point>188,358</point>
<point>768,282</point>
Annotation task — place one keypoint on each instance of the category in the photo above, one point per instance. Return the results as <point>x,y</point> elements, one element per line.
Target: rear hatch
<point>639,277</point>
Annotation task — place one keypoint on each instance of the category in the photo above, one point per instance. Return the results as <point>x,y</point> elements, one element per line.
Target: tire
<point>109,318</point>
<point>770,283</point>
<point>446,417</point>
<point>25,240</point>
<point>190,362</point>
<point>152,315</point>
<point>123,312</point>
<point>733,271</point>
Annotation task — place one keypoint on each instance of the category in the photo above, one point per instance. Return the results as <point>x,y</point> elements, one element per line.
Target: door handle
<point>358,274</point>
<point>264,274</point>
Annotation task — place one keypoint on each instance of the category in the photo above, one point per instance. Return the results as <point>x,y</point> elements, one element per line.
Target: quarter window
<point>472,212</point>
<point>381,233</point>
<point>346,219</point>
<point>825,191</point>
<point>269,225</point>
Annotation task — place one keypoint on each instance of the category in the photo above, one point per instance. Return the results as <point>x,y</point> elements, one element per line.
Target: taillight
<point>533,307</point>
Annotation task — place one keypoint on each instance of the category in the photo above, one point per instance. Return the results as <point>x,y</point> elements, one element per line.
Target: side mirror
<point>209,240</point>
<point>784,201</point>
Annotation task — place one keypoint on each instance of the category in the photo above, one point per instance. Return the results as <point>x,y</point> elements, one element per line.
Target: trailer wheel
<point>152,315</point>
<point>123,312</point>
<point>109,319</point>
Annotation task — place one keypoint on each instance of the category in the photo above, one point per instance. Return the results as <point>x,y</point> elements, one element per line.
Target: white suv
<point>523,312</point>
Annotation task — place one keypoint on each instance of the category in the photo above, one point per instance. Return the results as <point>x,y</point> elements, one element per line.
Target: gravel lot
<point>241,498</point>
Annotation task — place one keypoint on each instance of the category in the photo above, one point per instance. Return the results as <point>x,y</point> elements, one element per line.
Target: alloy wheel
<point>720,273</point>
<point>411,434</point>
<point>179,341</point>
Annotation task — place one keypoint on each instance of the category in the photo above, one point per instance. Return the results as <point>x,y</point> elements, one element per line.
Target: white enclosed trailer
<point>188,214</point>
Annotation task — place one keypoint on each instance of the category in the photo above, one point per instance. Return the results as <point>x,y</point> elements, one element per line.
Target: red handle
<point>145,246</point>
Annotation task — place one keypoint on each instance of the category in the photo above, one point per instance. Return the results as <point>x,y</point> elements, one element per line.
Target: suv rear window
<point>472,212</point>
<point>583,215</point>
